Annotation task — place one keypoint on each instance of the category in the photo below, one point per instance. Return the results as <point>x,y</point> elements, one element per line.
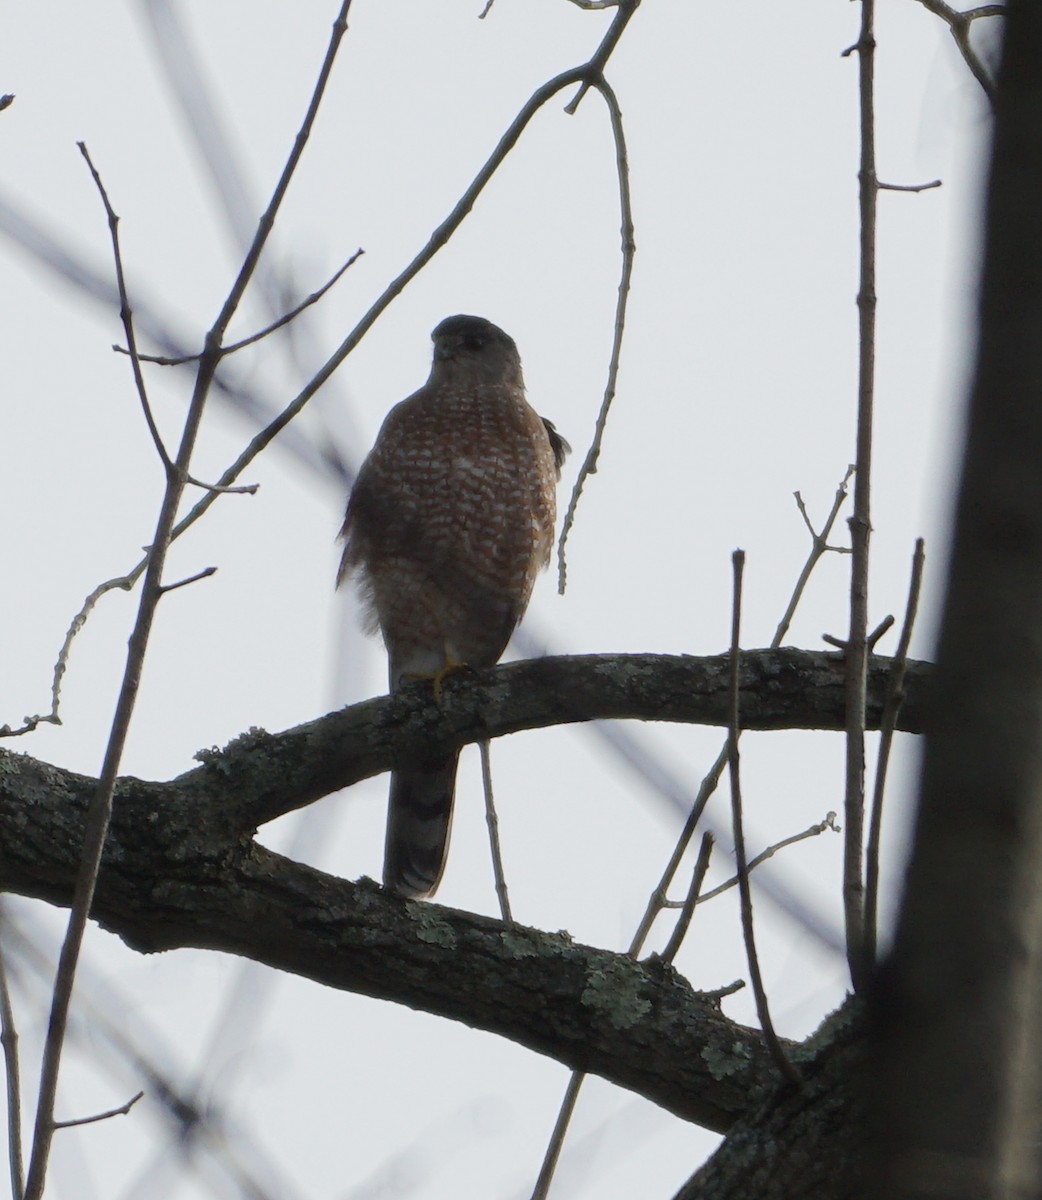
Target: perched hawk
<point>450,520</point>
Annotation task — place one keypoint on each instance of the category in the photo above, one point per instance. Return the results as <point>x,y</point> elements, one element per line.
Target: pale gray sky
<point>737,387</point>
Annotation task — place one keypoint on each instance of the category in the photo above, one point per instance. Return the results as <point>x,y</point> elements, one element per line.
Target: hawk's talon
<point>438,681</point>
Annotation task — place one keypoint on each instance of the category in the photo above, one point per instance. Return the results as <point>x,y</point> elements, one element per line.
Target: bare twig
<point>860,523</point>
<point>880,631</point>
<point>687,910</point>
<point>657,900</point>
<point>959,24</point>
<point>13,1078</point>
<point>102,1116</point>
<point>492,820</point>
<point>819,547</point>
<point>560,1131</point>
<point>727,989</point>
<point>122,583</point>
<point>763,1011</point>
<point>894,697</point>
<point>242,489</point>
<point>871,639</point>
<point>205,573</point>
<point>100,809</point>
<point>813,831</point>
<point>125,312</point>
<point>907,187</point>
<point>625,10</point>
<point>589,466</point>
<point>313,298</point>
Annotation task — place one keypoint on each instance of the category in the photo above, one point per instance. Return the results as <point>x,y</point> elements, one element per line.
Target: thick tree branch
<point>803,1143</point>
<point>180,868</point>
<point>260,776</point>
<point>172,877</point>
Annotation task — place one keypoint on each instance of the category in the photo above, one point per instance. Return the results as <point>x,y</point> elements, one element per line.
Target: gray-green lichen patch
<point>519,944</point>
<point>723,1061</point>
<point>431,928</point>
<point>223,759</point>
<point>613,989</point>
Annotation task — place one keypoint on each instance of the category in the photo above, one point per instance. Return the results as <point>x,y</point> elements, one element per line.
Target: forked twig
<point>166,361</point>
<point>125,312</point>
<point>813,831</point>
<point>770,1037</point>
<point>959,24</point>
<point>819,547</point>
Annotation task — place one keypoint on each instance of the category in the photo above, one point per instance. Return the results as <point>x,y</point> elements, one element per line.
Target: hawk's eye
<point>473,341</point>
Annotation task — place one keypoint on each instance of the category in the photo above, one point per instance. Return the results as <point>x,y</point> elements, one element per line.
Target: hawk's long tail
<point>419,818</point>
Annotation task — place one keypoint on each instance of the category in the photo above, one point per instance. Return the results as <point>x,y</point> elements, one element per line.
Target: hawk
<point>449,522</point>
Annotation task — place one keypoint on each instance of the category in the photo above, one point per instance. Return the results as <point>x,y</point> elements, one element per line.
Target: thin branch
<point>871,639</point>
<point>306,303</point>
<point>857,648</point>
<point>819,547</point>
<point>313,298</point>
<point>589,466</point>
<point>100,810</point>
<point>959,24</point>
<point>687,910</point>
<point>907,187</point>
<point>625,10</point>
<point>813,831</point>
<point>102,1116</point>
<point>880,631</point>
<point>12,1074</point>
<point>560,1132</point>
<point>894,699</point>
<point>242,489</point>
<point>763,1011</point>
<point>492,820</point>
<point>122,583</point>
<point>125,312</point>
<point>205,573</point>
<point>267,219</point>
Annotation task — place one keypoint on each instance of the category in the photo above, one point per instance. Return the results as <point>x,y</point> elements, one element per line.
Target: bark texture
<point>181,868</point>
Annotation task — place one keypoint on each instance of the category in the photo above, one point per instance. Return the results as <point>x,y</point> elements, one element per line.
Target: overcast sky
<point>737,388</point>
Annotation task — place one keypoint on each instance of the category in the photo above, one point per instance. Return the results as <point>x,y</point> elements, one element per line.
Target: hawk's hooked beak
<point>446,347</point>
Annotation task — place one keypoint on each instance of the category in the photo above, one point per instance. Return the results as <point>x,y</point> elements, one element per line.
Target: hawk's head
<point>473,349</point>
